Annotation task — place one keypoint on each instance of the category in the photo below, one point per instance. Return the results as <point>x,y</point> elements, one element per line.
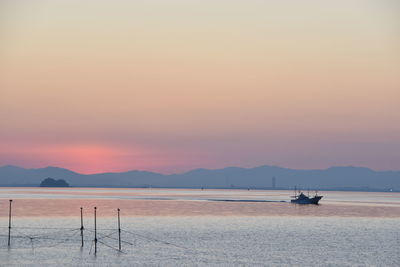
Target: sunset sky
<point>168,86</point>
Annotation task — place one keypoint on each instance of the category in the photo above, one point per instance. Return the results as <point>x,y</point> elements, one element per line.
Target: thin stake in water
<point>9,225</point>
<point>95,232</point>
<point>119,232</point>
<point>82,226</point>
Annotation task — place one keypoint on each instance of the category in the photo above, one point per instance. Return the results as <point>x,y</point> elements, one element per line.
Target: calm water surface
<point>182,227</point>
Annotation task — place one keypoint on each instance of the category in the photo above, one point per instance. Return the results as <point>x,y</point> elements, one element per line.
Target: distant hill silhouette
<point>334,178</point>
<point>50,182</point>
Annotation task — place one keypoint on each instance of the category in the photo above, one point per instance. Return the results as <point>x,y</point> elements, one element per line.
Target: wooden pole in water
<point>9,224</point>
<point>119,231</point>
<point>95,232</point>
<point>82,226</point>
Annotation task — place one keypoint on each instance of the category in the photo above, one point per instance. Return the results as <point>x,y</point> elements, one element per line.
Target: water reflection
<point>190,202</point>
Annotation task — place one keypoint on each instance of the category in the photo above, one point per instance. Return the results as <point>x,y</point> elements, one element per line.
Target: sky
<point>169,86</point>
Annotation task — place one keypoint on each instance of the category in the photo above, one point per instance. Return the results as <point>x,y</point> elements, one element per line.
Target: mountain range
<point>263,177</point>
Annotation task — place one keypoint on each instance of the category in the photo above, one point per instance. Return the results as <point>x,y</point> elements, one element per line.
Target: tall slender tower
<point>273,182</point>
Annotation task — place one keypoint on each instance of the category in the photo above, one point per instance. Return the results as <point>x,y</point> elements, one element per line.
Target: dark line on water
<point>246,200</point>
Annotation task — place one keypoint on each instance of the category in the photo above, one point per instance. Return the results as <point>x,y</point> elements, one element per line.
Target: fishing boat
<point>301,198</point>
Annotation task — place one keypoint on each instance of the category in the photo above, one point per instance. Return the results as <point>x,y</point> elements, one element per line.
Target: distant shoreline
<point>217,188</point>
<point>345,178</point>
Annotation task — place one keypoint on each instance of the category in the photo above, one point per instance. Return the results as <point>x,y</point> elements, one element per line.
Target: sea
<point>196,227</point>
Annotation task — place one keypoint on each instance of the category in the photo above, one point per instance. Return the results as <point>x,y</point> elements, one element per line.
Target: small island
<point>50,182</point>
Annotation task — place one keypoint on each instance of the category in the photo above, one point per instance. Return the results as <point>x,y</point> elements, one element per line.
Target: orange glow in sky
<point>82,158</point>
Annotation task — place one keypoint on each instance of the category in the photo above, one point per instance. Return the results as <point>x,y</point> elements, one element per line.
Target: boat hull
<point>313,200</point>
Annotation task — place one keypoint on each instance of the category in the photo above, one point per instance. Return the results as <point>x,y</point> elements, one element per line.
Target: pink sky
<point>100,86</point>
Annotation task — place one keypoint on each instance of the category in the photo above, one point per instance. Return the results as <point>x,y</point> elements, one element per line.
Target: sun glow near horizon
<point>83,158</point>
